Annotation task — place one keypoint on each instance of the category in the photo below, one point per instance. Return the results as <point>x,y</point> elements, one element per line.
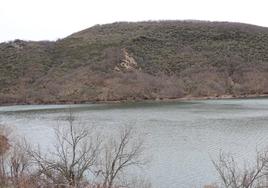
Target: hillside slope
<point>137,61</point>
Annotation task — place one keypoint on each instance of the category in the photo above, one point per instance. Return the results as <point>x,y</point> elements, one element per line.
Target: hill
<point>137,61</point>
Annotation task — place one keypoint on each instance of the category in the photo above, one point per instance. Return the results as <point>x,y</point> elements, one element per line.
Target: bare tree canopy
<point>75,154</point>
<point>119,154</point>
<point>232,176</point>
<point>80,158</point>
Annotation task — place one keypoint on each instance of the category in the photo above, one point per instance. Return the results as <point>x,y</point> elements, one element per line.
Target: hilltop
<point>137,61</point>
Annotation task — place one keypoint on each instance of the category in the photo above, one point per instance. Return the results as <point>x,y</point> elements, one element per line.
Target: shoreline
<point>186,98</point>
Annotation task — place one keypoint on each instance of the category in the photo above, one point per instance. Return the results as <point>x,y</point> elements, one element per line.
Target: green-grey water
<point>182,137</point>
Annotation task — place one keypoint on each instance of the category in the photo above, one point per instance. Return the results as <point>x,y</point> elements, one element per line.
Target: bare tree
<point>75,153</point>
<point>4,147</point>
<point>78,155</point>
<point>15,163</point>
<point>232,177</point>
<point>119,155</point>
<point>19,163</point>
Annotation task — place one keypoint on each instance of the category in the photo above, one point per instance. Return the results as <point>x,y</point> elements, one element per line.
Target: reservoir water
<point>181,137</point>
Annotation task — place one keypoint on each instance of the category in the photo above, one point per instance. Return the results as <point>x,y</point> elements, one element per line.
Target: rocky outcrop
<point>127,63</point>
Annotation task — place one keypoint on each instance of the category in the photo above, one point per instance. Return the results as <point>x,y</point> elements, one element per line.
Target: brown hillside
<point>137,61</point>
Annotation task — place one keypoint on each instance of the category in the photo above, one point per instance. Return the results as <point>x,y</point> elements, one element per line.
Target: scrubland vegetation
<point>137,61</point>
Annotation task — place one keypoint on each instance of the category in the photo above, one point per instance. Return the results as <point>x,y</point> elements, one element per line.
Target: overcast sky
<point>53,19</point>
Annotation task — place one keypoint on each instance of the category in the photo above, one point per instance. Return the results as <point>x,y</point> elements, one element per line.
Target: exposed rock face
<point>127,62</point>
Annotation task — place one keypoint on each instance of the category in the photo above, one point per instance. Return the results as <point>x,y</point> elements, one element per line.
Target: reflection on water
<point>181,136</point>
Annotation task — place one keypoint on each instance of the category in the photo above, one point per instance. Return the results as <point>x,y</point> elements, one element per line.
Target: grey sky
<point>53,19</point>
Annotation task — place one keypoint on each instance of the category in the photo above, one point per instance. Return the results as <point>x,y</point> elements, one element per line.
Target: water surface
<point>182,137</point>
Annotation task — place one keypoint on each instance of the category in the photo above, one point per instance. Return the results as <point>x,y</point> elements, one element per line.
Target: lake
<point>182,137</point>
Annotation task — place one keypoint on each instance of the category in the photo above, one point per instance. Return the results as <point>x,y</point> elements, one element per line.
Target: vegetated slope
<point>137,61</point>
